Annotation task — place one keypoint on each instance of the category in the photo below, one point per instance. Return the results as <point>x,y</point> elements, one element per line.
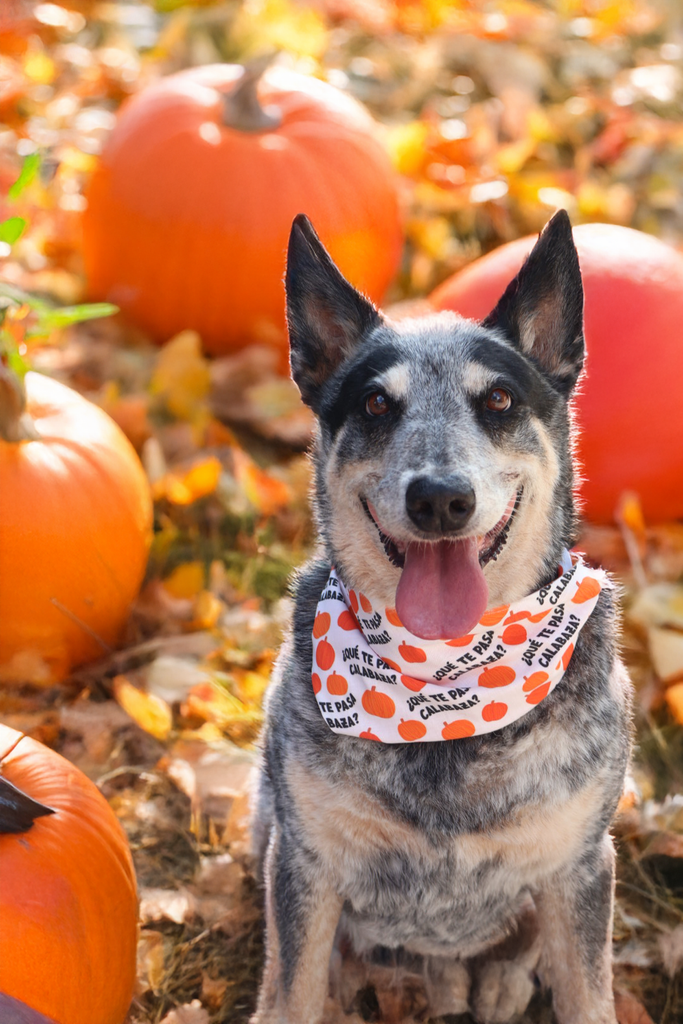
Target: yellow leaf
<point>406,144</point>
<point>207,610</point>
<point>187,580</point>
<point>182,376</point>
<point>183,487</point>
<point>151,713</point>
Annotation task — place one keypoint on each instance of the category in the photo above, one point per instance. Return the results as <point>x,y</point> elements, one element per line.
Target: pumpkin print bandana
<point>375,680</point>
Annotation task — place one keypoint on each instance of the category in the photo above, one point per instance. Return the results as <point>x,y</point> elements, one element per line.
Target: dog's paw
<point>503,990</point>
<point>448,987</point>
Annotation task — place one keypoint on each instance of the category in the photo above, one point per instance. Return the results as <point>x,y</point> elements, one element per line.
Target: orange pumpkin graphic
<point>567,656</point>
<point>324,655</point>
<point>336,684</point>
<point>409,653</point>
<point>317,683</point>
<point>534,680</point>
<point>390,664</point>
<point>460,641</point>
<point>497,675</point>
<point>514,635</point>
<point>539,616</point>
<point>412,730</point>
<point>587,588</point>
<point>537,695</point>
<point>364,603</point>
<point>494,711</point>
<point>354,601</point>
<point>369,735</point>
<point>392,617</point>
<point>321,624</point>
<point>493,616</point>
<point>412,683</point>
<point>516,617</point>
<point>378,704</point>
<point>347,620</point>
<point>458,730</point>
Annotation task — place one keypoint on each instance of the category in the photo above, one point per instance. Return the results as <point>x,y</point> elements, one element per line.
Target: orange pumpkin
<point>412,730</point>
<point>392,616</point>
<point>321,624</point>
<point>634,309</point>
<point>498,675</point>
<point>515,634</point>
<point>68,901</point>
<point>537,695</point>
<point>389,663</point>
<point>354,601</point>
<point>317,682</point>
<point>347,620</point>
<point>336,684</point>
<point>410,653</point>
<point>458,730</point>
<point>494,711</point>
<point>378,704</point>
<point>324,655</point>
<point>534,680</point>
<point>365,604</point>
<point>369,735</point>
<point>460,641</point>
<point>587,589</point>
<point>567,656</point>
<point>75,527</point>
<point>190,207</point>
<point>413,684</point>
<point>493,616</point>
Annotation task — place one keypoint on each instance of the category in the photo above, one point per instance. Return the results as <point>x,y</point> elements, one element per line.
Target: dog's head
<point>443,459</point>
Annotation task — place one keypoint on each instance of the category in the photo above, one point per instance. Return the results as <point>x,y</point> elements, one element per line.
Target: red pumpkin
<point>494,711</point>
<point>514,635</point>
<point>410,653</point>
<point>634,309</point>
<point>534,680</point>
<point>412,730</point>
<point>378,704</point>
<point>458,730</point>
<point>336,684</point>
<point>68,902</point>
<point>497,675</point>
<point>412,683</point>
<point>75,528</point>
<point>321,624</point>
<point>324,655</point>
<point>317,682</point>
<point>190,207</point>
<point>347,620</point>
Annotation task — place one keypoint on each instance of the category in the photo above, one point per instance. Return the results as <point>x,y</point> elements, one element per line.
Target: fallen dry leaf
<point>149,711</point>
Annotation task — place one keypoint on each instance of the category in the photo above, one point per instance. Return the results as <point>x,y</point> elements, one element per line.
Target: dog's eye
<point>499,400</point>
<point>377,404</point>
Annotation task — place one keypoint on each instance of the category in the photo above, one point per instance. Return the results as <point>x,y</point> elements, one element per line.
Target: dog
<point>470,869</point>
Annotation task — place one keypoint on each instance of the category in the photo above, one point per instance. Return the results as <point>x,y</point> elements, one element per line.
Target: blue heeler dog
<point>470,869</point>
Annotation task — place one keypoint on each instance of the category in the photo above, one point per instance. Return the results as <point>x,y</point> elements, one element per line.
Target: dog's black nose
<point>440,504</point>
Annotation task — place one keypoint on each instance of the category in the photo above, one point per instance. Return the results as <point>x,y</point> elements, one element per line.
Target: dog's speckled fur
<point>479,862</point>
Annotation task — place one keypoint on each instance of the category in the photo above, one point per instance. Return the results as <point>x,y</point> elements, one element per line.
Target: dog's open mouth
<point>442,592</point>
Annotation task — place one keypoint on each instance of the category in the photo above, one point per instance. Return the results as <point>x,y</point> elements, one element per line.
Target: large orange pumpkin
<point>68,901</point>
<point>75,526</point>
<point>628,407</point>
<point>191,205</point>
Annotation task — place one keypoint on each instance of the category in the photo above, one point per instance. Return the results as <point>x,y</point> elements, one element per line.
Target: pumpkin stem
<point>15,422</point>
<point>241,107</point>
<point>17,809</point>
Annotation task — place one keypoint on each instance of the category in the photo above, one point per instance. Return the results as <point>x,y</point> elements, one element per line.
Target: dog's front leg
<point>302,913</point>
<point>575,918</point>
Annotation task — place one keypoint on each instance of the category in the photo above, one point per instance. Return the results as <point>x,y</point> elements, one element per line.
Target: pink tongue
<point>442,592</point>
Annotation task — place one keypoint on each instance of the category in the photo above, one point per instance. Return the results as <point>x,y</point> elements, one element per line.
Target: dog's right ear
<point>326,316</point>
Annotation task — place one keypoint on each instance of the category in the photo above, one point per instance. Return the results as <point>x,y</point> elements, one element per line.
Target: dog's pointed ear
<point>541,311</point>
<point>326,316</point>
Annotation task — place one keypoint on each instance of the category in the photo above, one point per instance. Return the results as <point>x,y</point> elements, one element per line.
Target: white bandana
<point>374,679</point>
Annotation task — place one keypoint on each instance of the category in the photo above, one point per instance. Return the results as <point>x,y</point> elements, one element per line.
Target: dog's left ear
<point>541,311</point>
<point>326,316</point>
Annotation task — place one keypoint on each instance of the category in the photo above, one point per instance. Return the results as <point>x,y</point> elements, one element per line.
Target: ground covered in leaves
<point>494,114</point>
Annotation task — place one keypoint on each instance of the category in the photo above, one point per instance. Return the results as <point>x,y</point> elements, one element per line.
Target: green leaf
<point>29,169</point>
<point>11,229</point>
<point>50,319</point>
